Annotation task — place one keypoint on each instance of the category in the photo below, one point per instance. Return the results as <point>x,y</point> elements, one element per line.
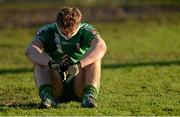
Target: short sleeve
<point>89,34</point>
<point>43,35</point>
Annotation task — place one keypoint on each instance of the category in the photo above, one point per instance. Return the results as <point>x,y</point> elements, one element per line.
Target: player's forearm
<point>37,56</point>
<point>95,53</point>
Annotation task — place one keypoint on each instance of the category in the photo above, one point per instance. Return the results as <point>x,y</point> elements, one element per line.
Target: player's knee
<point>93,66</point>
<point>40,66</point>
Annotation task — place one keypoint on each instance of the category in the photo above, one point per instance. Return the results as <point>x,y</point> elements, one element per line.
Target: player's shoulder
<point>85,27</point>
<point>48,28</point>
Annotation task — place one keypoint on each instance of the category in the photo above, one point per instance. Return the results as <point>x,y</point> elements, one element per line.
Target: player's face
<point>68,31</point>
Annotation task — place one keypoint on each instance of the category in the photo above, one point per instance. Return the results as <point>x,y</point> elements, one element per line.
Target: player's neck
<point>68,36</point>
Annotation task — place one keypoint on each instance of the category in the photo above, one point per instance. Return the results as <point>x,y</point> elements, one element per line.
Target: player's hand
<point>53,64</point>
<point>65,63</point>
<point>67,67</point>
<point>72,71</point>
<point>61,66</point>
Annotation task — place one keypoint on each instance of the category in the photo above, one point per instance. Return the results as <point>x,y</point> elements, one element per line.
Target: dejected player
<point>67,60</point>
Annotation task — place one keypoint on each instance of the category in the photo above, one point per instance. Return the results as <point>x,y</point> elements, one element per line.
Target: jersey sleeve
<point>43,35</point>
<point>89,34</point>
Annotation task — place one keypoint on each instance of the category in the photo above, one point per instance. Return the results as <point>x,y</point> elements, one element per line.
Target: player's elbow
<point>28,51</point>
<point>102,47</point>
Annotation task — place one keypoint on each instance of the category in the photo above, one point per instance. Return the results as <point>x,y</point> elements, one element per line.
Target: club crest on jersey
<point>78,46</point>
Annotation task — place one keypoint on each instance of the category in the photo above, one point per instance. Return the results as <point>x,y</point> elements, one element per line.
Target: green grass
<point>140,72</point>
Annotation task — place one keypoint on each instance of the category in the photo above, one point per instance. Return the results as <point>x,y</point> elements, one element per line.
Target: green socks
<point>46,95</point>
<point>89,98</point>
<point>90,89</point>
<point>45,90</point>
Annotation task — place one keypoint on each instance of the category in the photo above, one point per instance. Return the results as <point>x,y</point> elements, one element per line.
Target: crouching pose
<point>67,60</point>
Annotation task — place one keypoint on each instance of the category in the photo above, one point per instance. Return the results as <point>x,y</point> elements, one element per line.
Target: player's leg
<point>41,75</point>
<point>79,84</point>
<point>57,84</point>
<point>44,84</point>
<point>87,84</point>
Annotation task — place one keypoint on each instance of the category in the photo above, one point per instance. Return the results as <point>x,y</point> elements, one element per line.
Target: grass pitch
<point>140,72</point>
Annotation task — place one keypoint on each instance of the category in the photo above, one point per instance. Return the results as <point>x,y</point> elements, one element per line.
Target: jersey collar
<point>65,37</point>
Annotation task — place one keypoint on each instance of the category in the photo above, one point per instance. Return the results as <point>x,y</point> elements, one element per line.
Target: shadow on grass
<point>24,106</point>
<point>105,66</point>
<point>15,70</point>
<point>17,106</point>
<point>28,106</point>
<point>141,64</point>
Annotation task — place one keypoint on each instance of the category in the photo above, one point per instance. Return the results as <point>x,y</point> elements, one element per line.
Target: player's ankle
<point>88,101</point>
<point>89,97</point>
<point>45,89</point>
<point>45,93</point>
<point>90,89</point>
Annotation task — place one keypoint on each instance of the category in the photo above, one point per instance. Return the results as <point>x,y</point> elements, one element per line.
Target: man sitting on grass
<point>67,60</point>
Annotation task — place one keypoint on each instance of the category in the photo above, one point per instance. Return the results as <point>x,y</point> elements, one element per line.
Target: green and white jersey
<point>57,45</point>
